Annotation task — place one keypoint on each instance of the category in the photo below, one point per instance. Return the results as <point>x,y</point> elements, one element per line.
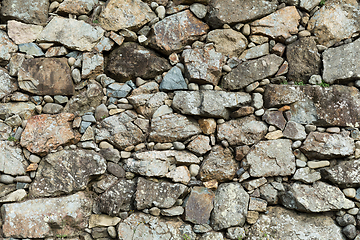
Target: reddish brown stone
<point>47,132</point>
<point>243,111</point>
<point>174,32</point>
<point>241,152</point>
<point>279,49</point>
<point>283,69</point>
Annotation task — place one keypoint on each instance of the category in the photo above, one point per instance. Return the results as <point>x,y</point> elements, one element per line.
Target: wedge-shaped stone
<point>35,218</point>
<point>72,33</point>
<point>147,104</point>
<point>12,160</point>
<point>47,132</point>
<point>131,14</point>
<point>345,174</point>
<point>280,223</point>
<point>271,158</point>
<point>230,12</point>
<point>173,33</point>
<point>66,171</point>
<point>242,131</point>
<point>252,71</point>
<point>7,83</point>
<point>46,76</point>
<point>77,7</point>
<point>319,197</point>
<point>162,195</point>
<point>173,127</point>
<point>278,25</point>
<point>327,146</point>
<point>209,103</point>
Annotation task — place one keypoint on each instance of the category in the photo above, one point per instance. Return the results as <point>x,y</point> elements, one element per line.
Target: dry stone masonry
<point>180,119</point>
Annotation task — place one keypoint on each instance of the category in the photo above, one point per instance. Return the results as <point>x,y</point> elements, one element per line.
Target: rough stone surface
<point>281,223</point>
<point>172,33</point>
<point>345,174</point>
<point>92,65</point>
<point>251,71</point>
<point>306,175</point>
<point>131,14</point>
<point>147,104</point>
<point>319,197</point>
<point>46,76</point>
<point>72,33</point>
<point>271,158</point>
<point>219,165</point>
<point>200,145</point>
<point>173,80</point>
<point>227,11</point>
<point>131,60</point>
<point>242,131</point>
<point>327,146</point>
<point>209,103</point>
<point>47,132</point>
<point>23,33</point>
<point>45,217</point>
<point>275,118</point>
<point>7,47</point>
<point>12,160</point>
<point>173,127</point>
<point>294,131</point>
<point>230,206</point>
<point>23,109</point>
<point>7,83</point>
<point>77,7</point>
<point>59,173</point>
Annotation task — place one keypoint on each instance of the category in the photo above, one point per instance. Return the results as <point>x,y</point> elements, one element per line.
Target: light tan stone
<point>23,33</point>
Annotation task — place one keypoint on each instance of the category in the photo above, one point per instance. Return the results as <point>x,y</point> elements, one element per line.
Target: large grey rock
<point>294,131</point>
<point>47,217</point>
<point>230,206</point>
<point>304,60</point>
<point>162,195</point>
<point>230,12</point>
<point>7,83</point>
<point>72,33</point>
<point>172,128</point>
<point>340,63</point>
<point>132,60</point>
<point>203,65</point>
<point>252,71</point>
<point>66,171</point>
<point>7,47</point>
<point>173,80</point>
<point>219,165</point>
<point>271,158</point>
<point>327,146</point>
<point>280,223</point>
<point>126,14</point>
<point>120,130</point>
<point>12,160</point>
<point>327,30</point>
<point>174,32</point>
<point>35,12</point>
<point>345,174</point>
<point>332,106</point>
<point>209,103</point>
<point>246,130</point>
<point>306,175</point>
<point>117,198</point>
<point>145,226</point>
<point>319,197</point>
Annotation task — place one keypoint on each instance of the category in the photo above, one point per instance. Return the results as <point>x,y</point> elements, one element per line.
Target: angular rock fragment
<point>294,131</point>
<point>66,171</point>
<point>23,109</point>
<point>280,223</point>
<point>7,47</point>
<point>23,33</point>
<point>275,118</point>
<point>200,145</point>
<point>209,103</point>
<point>77,7</point>
<point>7,83</point>
<point>72,33</point>
<point>12,160</point>
<point>92,65</point>
<point>271,158</point>
<point>46,76</point>
<point>252,71</point>
<point>162,195</point>
<point>345,174</point>
<point>47,132</point>
<point>242,131</point>
<point>126,14</point>
<point>173,33</point>
<point>173,127</point>
<point>173,80</point>
<point>306,175</point>
<point>327,146</point>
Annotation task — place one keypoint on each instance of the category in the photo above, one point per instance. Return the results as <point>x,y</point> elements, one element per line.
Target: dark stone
<point>116,170</point>
<point>275,118</point>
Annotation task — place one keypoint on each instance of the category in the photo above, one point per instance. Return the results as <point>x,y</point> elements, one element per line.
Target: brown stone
<point>199,205</point>
<point>47,132</point>
<point>275,118</point>
<point>207,125</point>
<point>242,112</point>
<point>173,33</point>
<point>46,76</point>
<point>32,167</point>
<point>77,7</point>
<point>279,25</point>
<point>252,217</point>
<point>241,152</point>
<point>199,145</point>
<point>284,108</point>
<point>279,49</point>
<point>132,60</point>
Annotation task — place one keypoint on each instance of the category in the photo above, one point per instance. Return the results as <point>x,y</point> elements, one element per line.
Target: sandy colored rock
<point>12,160</point>
<point>77,7</point>
<point>127,14</point>
<point>23,109</point>
<point>46,76</point>
<point>207,125</point>
<point>47,132</point>
<point>174,32</point>
<point>23,33</point>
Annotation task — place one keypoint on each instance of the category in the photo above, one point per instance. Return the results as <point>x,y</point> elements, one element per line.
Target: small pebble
<point>300,163</point>
<point>259,112</point>
<point>296,144</point>
<point>178,146</point>
<point>226,68</point>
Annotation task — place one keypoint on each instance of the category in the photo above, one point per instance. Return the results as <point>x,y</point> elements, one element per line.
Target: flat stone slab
<point>66,171</point>
<point>23,109</point>
<point>35,218</point>
<point>280,223</point>
<point>46,76</point>
<point>337,105</point>
<point>345,174</point>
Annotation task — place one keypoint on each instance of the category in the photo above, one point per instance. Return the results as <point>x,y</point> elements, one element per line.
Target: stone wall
<point>172,120</point>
